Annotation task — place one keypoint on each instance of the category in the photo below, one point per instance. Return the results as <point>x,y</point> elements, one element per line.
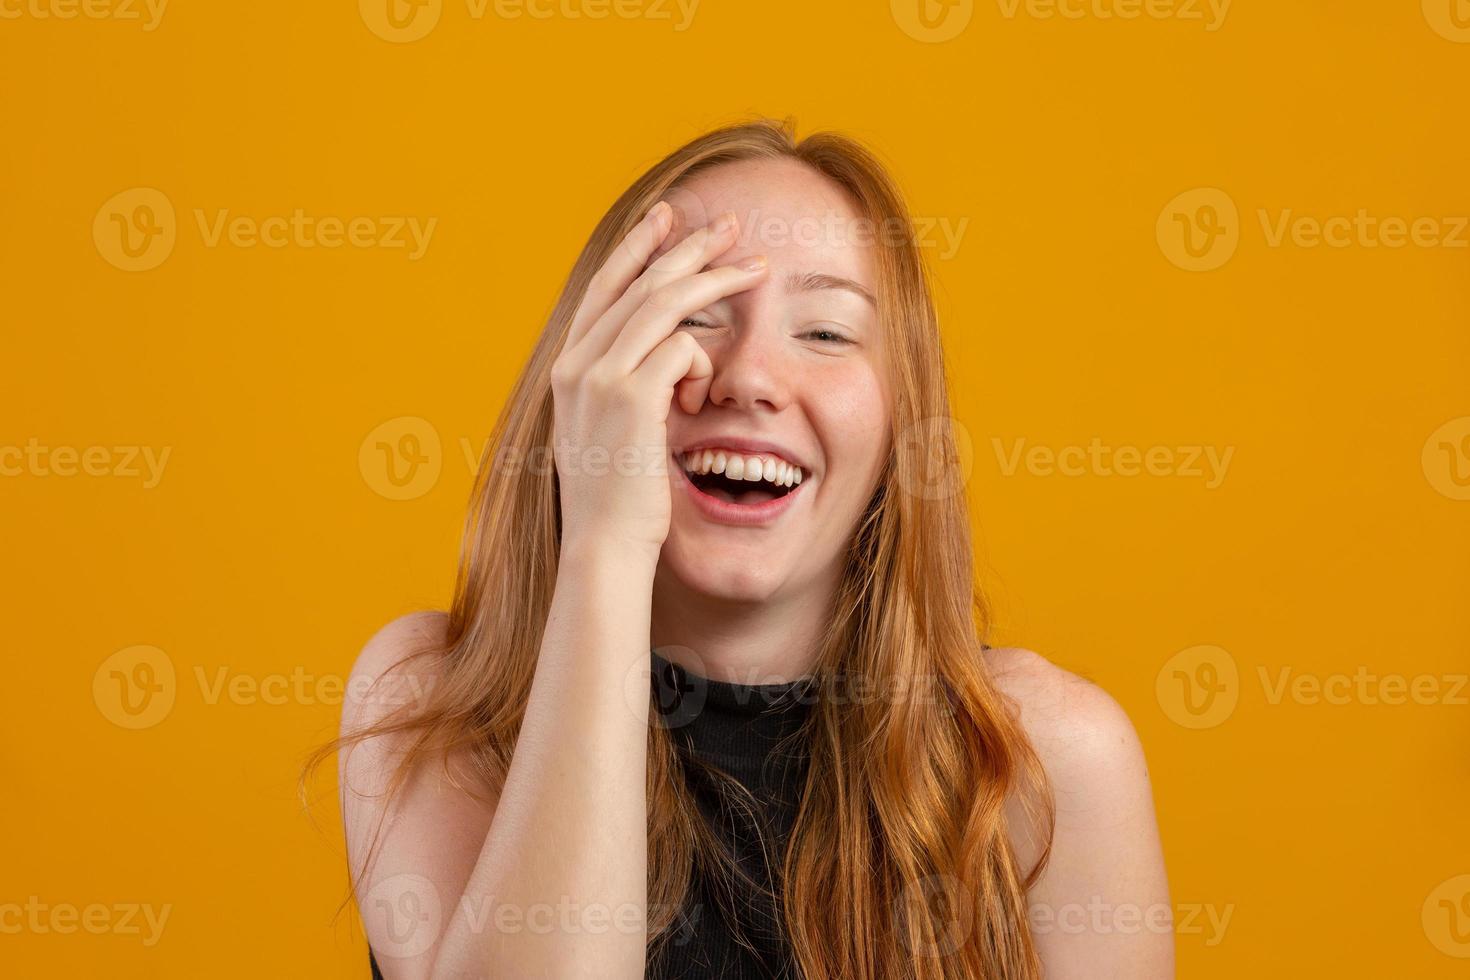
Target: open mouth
<point>724,488</point>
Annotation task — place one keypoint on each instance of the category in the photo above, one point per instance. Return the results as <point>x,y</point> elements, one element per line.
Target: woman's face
<point>799,380</point>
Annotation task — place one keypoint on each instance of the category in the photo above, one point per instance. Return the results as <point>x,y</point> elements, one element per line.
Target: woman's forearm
<point>560,887</point>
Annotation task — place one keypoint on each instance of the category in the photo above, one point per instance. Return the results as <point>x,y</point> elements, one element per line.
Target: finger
<point>622,267</point>
<point>665,308</point>
<point>680,228</point>
<point>682,254</point>
<point>701,248</point>
<point>682,367</point>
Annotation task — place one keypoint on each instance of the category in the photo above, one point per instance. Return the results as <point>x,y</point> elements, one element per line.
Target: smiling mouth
<point>721,487</point>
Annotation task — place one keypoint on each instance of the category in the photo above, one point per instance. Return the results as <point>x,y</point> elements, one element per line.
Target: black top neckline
<point>674,681</point>
<point>742,728</point>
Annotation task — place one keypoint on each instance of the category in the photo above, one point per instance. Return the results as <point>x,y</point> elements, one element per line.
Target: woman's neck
<point>765,642</point>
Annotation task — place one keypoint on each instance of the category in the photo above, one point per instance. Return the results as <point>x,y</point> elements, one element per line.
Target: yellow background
<point>1337,539</point>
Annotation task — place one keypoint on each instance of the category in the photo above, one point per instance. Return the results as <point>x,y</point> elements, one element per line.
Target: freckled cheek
<point>849,409</point>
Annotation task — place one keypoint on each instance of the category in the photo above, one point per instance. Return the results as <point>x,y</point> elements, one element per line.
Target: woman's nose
<point>750,370</point>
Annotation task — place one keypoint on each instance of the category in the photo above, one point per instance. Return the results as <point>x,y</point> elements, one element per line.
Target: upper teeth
<point>737,466</point>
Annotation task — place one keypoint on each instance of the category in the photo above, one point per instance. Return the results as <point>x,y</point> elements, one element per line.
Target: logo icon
<point>1198,687</point>
<point>400,21</point>
<point>407,908</point>
<point>1450,19</point>
<point>689,214</point>
<point>945,906</point>
<point>135,687</point>
<point>1446,459</point>
<point>932,21</point>
<point>401,459</point>
<point>935,458</point>
<point>1446,917</point>
<point>135,229</point>
<point>1199,229</point>
<point>679,692</point>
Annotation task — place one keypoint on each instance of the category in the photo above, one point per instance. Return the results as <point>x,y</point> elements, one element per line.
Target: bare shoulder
<point>1105,846</point>
<point>400,638</point>
<point>392,680</point>
<point>401,661</point>
<point>1074,725</point>
<point>425,828</point>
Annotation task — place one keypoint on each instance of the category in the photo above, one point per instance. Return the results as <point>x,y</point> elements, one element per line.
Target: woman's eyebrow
<point>801,282</point>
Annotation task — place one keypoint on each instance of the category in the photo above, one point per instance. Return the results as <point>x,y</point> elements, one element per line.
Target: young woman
<point>712,698</point>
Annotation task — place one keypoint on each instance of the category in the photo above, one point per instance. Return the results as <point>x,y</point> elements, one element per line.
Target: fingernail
<point>657,213</point>
<point>725,223</point>
<point>753,264</point>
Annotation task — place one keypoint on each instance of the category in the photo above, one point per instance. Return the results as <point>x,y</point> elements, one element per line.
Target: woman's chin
<point>730,574</point>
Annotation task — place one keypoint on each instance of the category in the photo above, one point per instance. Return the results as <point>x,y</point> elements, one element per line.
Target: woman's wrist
<point>602,608</point>
<point>587,550</point>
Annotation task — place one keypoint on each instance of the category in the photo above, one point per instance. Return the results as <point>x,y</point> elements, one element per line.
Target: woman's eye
<point>828,336</point>
<point>820,334</point>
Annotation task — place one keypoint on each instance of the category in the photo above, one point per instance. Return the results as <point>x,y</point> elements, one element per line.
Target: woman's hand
<point>616,378</point>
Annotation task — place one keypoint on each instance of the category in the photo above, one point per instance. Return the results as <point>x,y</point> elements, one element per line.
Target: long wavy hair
<point>899,864</point>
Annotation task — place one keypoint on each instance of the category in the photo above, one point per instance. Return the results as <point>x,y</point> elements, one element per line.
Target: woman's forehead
<point>786,211</point>
<point>781,188</point>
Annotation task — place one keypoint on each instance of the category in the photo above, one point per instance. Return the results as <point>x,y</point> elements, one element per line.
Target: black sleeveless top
<point>751,733</point>
<point>746,731</point>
